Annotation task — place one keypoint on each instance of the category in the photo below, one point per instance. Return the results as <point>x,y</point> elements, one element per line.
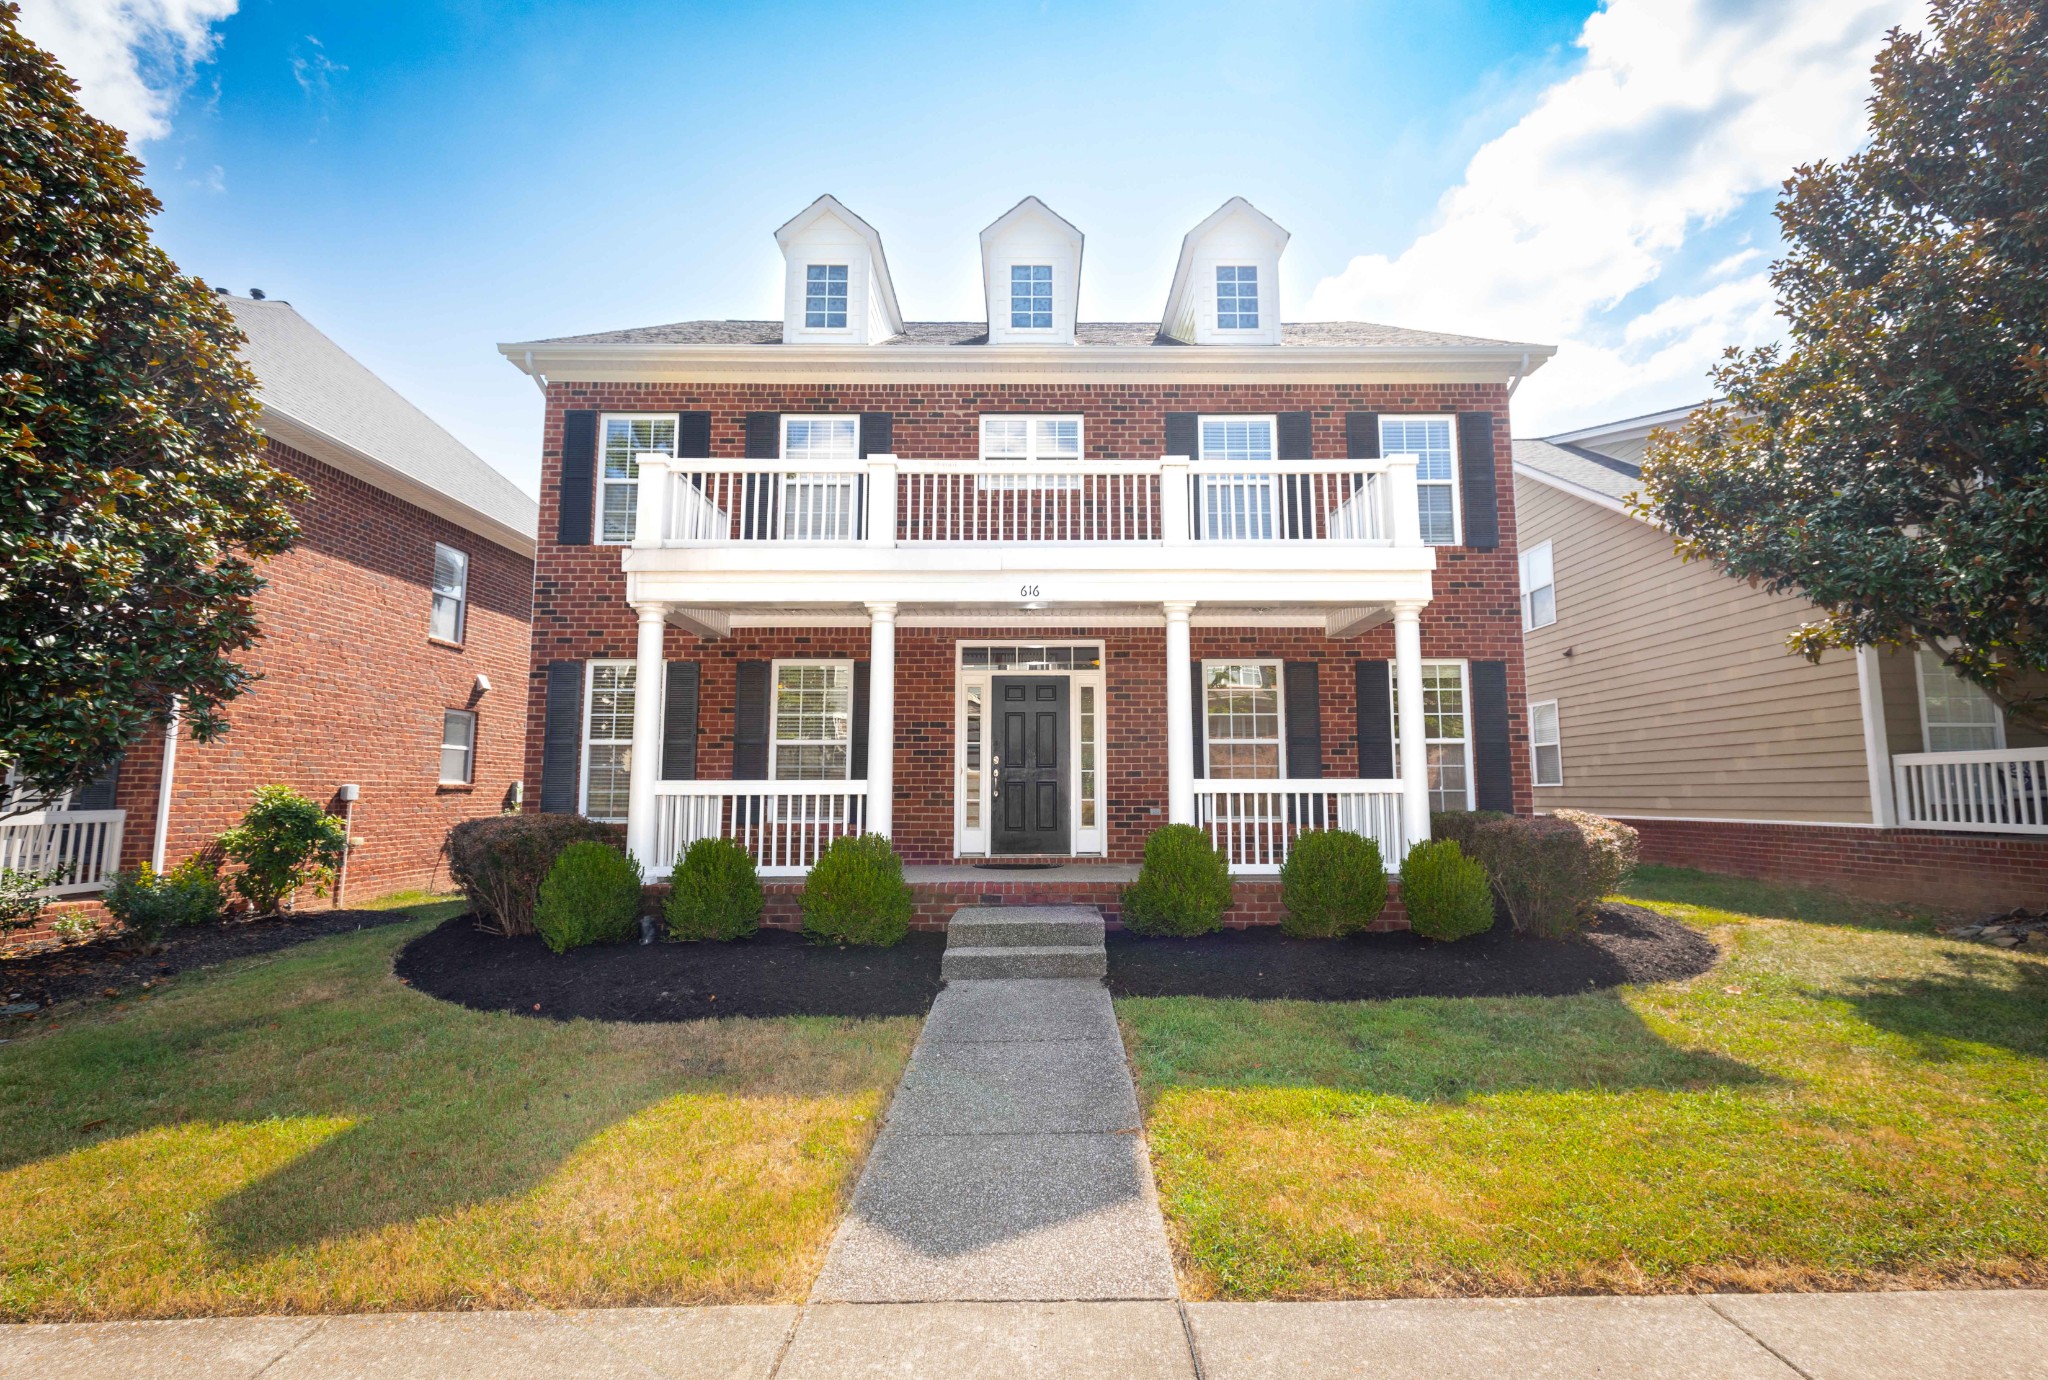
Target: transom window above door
<point>1030,438</point>
<point>825,296</point>
<point>1031,297</point>
<point>619,479</point>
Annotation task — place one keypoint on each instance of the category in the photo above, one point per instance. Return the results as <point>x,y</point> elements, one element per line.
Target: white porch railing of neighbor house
<point>1254,823</point>
<point>1993,792</point>
<point>86,844</point>
<point>784,825</point>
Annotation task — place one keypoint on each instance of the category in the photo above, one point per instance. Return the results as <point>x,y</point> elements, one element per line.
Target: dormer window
<point>1237,297</point>
<point>1031,297</point>
<point>825,296</point>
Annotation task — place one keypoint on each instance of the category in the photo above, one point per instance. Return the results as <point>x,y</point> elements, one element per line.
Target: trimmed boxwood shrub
<point>591,896</point>
<point>856,894</point>
<point>1444,892</point>
<point>714,892</point>
<point>1548,870</point>
<point>1333,883</point>
<point>1183,886</point>
<point>500,861</point>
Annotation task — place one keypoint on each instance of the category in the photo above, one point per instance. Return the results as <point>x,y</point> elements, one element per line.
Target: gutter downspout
<point>162,830</point>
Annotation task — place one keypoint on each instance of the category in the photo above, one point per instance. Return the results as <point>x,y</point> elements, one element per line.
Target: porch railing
<point>86,844</point>
<point>1053,502</point>
<point>1255,823</point>
<point>1992,792</point>
<point>784,825</point>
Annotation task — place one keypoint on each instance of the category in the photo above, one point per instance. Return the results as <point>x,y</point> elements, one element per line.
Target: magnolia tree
<point>133,494</point>
<point>1890,463</point>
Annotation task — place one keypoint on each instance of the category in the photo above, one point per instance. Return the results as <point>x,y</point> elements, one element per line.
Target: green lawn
<point>1846,1100</point>
<point>300,1132</point>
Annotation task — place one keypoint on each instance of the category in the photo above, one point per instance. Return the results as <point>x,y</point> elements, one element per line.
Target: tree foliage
<point>1891,462</point>
<point>133,494</point>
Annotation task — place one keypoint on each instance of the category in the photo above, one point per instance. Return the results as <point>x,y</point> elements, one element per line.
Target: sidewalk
<point>1973,1335</point>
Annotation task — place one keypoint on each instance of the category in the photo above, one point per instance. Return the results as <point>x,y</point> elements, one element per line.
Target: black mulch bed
<point>1625,944</point>
<point>776,973</point>
<point>46,976</point>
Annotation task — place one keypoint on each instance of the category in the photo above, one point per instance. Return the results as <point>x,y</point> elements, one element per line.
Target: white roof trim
<point>1183,265</point>
<point>1580,491</point>
<point>1627,426</point>
<point>832,205</point>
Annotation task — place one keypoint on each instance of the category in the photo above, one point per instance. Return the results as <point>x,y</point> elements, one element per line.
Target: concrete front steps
<point>985,942</point>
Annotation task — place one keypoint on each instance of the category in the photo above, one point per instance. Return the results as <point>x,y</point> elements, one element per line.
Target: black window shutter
<point>98,794</point>
<point>764,436</point>
<point>1301,688</point>
<point>1477,480</point>
<point>750,721</point>
<point>1200,696</point>
<point>1375,721</point>
<point>1293,437</point>
<point>579,478</point>
<point>1493,763</point>
<point>693,435</point>
<point>858,766</point>
<point>1183,436</point>
<point>561,752</point>
<point>877,434</point>
<point>1362,435</point>
<point>679,723</point>
<point>758,494</point>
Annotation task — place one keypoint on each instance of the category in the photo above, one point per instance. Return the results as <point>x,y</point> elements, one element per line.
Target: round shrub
<point>1333,883</point>
<point>500,861</point>
<point>714,892</point>
<point>856,894</point>
<point>1445,893</point>
<point>591,896</point>
<point>147,902</point>
<point>1183,886</point>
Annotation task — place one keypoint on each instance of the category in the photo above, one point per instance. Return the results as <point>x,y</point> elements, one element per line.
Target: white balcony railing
<point>86,844</point>
<point>1254,823</point>
<point>1993,792</point>
<point>785,825</point>
<point>1053,502</point>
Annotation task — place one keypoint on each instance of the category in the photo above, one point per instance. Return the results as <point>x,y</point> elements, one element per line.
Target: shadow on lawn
<point>1655,882</point>
<point>1984,998</point>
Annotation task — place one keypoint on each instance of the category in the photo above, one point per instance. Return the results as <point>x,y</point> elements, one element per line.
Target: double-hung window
<point>608,739</point>
<point>1237,297</point>
<point>1546,750</point>
<point>1955,716</point>
<point>1539,588</point>
<point>819,505</point>
<point>813,721</point>
<point>825,297</point>
<point>1031,297</point>
<point>1446,739</point>
<point>625,437</point>
<point>1241,712</point>
<point>458,747</point>
<point>451,593</point>
<point>1236,505</point>
<point>1027,440</point>
<point>1429,440</point>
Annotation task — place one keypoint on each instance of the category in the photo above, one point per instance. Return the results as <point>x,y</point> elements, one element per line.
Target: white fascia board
<point>1580,491</point>
<point>329,450</point>
<point>1627,429</point>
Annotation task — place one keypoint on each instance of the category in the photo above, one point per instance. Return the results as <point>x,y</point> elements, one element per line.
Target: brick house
<point>1018,591</point>
<point>393,651</point>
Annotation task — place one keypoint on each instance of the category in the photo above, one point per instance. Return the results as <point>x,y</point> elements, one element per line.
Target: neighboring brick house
<point>1023,590</point>
<point>394,641</point>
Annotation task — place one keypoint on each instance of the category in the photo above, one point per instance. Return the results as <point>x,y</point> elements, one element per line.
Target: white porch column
<point>1408,696</point>
<point>645,768</point>
<point>1180,717</point>
<point>881,718</point>
<point>1877,752</point>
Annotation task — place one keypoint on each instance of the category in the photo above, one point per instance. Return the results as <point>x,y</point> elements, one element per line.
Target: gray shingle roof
<point>313,381</point>
<point>1588,469</point>
<point>1362,334</point>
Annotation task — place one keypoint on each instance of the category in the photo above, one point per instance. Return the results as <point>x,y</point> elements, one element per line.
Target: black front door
<point>1030,764</point>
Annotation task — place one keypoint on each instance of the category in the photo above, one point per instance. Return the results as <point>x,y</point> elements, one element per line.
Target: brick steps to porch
<point>985,942</point>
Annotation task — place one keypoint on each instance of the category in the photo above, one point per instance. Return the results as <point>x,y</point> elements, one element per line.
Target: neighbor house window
<point>825,296</point>
<point>1237,297</point>
<point>608,739</point>
<point>1428,439</point>
<point>1446,742</point>
<point>1545,750</point>
<point>1241,710</point>
<point>458,747</point>
<point>1031,297</point>
<point>820,506</point>
<point>1955,716</point>
<point>1539,588</point>
<point>451,593</point>
<point>619,483</point>
<point>813,739</point>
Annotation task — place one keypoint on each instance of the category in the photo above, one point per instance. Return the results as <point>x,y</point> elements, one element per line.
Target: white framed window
<point>1030,297</point>
<point>458,747</point>
<point>825,297</point>
<point>1546,749</point>
<point>1433,443</point>
<point>811,723</point>
<point>1445,734</point>
<point>1236,506</point>
<point>451,593</point>
<point>1237,297</point>
<point>806,439</point>
<point>1955,716</point>
<point>625,436</point>
<point>1539,588</point>
<point>1010,437</point>
<point>608,703</point>
<point>820,506</point>
<point>1242,720</point>
<point>1246,439</point>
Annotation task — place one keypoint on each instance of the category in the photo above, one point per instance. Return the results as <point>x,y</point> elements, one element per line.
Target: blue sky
<point>424,180</point>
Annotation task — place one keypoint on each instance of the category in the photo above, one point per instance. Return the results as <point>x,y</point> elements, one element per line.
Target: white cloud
<point>1681,110</point>
<point>132,59</point>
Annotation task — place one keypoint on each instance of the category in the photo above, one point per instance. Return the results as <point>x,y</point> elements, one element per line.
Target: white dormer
<point>1031,276</point>
<point>836,288</point>
<point>1226,287</point>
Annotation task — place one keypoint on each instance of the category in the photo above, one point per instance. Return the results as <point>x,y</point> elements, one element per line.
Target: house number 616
<point>1028,592</point>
